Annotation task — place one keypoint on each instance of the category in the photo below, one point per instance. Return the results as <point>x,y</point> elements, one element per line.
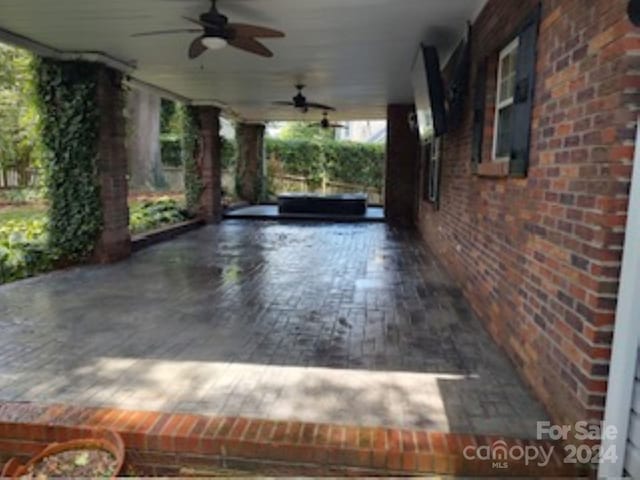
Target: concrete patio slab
<point>334,323</point>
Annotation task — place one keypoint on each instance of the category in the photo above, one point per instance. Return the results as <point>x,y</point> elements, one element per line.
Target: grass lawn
<point>143,216</point>
<point>28,212</point>
<point>36,211</point>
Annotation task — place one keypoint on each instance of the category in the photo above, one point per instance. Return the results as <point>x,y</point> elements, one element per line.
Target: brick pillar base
<point>250,176</point>
<point>114,243</point>
<point>211,167</point>
<point>402,168</point>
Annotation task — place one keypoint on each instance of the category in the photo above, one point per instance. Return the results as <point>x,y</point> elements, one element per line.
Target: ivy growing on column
<point>66,95</point>
<point>191,152</point>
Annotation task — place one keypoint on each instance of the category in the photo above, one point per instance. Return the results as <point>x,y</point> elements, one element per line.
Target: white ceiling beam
<point>50,52</point>
<point>160,92</point>
<point>126,68</point>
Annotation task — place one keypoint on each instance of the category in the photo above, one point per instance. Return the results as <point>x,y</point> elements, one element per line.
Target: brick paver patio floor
<point>336,323</point>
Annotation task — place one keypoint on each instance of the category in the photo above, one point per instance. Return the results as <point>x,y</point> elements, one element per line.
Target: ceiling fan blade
<point>199,22</point>
<point>196,48</point>
<point>245,30</point>
<point>337,125</point>
<point>285,104</point>
<point>167,32</point>
<point>320,106</point>
<point>251,45</point>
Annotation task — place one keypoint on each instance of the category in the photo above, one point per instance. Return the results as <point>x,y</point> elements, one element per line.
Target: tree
<point>143,142</point>
<point>169,118</point>
<point>19,138</point>
<point>306,131</point>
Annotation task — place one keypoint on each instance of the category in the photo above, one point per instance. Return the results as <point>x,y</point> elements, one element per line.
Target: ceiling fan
<point>216,33</point>
<point>300,102</point>
<point>325,124</point>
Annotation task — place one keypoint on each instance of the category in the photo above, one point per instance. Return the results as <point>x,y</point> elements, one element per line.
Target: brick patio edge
<point>170,442</point>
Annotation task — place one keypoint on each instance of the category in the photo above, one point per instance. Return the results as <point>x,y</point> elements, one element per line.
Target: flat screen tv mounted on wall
<point>429,94</point>
<point>458,85</point>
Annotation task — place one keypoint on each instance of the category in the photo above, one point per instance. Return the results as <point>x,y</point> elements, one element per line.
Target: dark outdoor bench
<point>347,204</point>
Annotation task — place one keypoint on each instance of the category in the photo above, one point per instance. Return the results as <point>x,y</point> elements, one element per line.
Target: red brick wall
<point>539,257</point>
<point>173,444</point>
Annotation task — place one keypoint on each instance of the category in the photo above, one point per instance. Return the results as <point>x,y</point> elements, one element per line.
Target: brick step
<point>183,444</point>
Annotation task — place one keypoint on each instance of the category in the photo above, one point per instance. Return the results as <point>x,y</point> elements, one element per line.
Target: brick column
<point>211,164</point>
<point>114,243</point>
<point>402,167</point>
<point>249,174</point>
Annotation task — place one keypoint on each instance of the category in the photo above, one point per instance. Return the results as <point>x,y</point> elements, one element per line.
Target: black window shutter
<point>523,98</point>
<point>480,94</point>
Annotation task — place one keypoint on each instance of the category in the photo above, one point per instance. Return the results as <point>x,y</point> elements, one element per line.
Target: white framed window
<point>506,87</point>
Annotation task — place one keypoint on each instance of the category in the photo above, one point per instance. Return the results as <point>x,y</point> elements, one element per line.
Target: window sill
<point>493,170</point>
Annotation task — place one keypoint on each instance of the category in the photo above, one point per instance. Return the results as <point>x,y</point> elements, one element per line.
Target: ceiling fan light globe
<point>214,43</point>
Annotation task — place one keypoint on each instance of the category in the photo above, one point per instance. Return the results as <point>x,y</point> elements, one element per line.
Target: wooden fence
<point>12,178</point>
<point>174,177</point>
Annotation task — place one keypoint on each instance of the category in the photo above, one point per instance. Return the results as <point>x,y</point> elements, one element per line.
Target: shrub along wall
<point>156,213</point>
<point>347,162</point>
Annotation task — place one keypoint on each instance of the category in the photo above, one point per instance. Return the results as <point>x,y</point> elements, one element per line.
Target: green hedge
<point>348,162</point>
<point>357,163</point>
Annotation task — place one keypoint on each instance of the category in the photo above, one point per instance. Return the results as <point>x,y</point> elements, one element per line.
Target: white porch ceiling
<point>353,54</point>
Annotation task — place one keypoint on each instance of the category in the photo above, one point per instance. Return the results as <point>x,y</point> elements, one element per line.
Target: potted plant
<point>100,455</point>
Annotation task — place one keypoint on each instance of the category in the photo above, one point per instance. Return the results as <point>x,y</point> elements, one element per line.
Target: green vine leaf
<point>190,150</point>
<point>69,124</point>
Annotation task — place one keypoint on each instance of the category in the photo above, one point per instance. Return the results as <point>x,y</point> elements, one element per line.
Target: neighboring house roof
<point>378,137</point>
<point>364,131</point>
